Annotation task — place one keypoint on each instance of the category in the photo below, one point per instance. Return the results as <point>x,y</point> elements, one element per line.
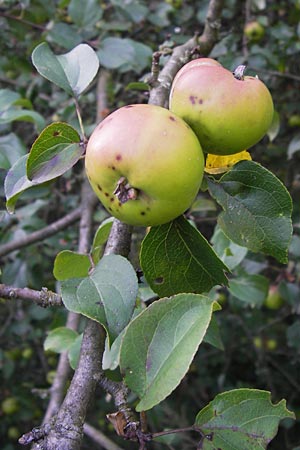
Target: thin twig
<point>42,298</point>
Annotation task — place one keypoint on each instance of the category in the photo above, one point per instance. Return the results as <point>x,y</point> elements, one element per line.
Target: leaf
<point>85,14</point>
<point>16,182</point>
<point>160,343</point>
<point>60,339</point>
<point>54,152</point>
<point>11,149</point>
<point>7,99</point>
<point>257,209</point>
<point>24,115</point>
<point>250,289</point>
<point>64,34</point>
<point>107,295</point>
<point>72,71</point>
<point>213,336</point>
<point>114,52</point>
<point>74,351</point>
<point>100,238</point>
<point>175,258</point>
<point>294,146</point>
<point>216,164</point>
<point>240,419</point>
<point>69,264</point>
<point>230,253</point>
<point>274,127</point>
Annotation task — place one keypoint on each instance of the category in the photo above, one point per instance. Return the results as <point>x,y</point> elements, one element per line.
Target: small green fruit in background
<point>13,433</point>
<point>145,164</point>
<point>294,120</point>
<point>274,300</point>
<point>254,31</point>
<point>229,113</point>
<point>10,405</point>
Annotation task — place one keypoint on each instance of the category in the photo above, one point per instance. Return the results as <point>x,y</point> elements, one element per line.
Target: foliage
<point>241,223</point>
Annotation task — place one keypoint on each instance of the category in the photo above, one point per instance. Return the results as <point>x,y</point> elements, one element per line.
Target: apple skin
<point>227,114</point>
<point>273,300</point>
<point>159,156</point>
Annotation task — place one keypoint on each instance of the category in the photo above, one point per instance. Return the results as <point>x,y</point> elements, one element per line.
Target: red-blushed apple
<point>229,113</point>
<point>145,164</point>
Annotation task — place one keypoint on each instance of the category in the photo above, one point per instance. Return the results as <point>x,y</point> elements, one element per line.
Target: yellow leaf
<point>219,164</point>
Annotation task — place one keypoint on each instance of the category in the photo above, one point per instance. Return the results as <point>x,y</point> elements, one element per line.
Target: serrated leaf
<point>250,289</point>
<point>107,295</point>
<point>160,343</point>
<point>240,419</point>
<point>60,339</point>
<point>100,238</point>
<point>175,258</point>
<point>16,182</point>
<point>257,209</point>
<point>72,71</point>
<point>69,264</point>
<point>54,152</point>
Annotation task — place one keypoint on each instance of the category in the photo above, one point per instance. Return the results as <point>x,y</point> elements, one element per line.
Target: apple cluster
<point>146,163</point>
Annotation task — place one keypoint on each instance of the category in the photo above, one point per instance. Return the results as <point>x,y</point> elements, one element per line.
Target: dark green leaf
<point>65,35</point>
<point>257,209</point>
<point>100,238</point>
<point>114,52</point>
<point>240,419</point>
<point>54,152</point>
<point>72,71</point>
<point>11,149</point>
<point>85,14</point>
<point>175,258</point>
<point>69,264</point>
<point>74,351</point>
<point>16,182</point>
<point>160,343</point>
<point>213,336</point>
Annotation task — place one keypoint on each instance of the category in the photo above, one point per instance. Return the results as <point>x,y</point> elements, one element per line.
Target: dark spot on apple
<point>113,167</point>
<point>110,209</point>
<point>143,213</point>
<point>99,187</point>
<point>119,157</point>
<point>193,99</point>
<point>106,194</point>
<point>159,280</point>
<point>112,199</point>
<point>172,118</point>
<point>120,204</point>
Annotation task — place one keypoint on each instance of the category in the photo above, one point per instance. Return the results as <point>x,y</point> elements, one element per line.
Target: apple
<point>273,300</point>
<point>145,164</point>
<point>228,112</point>
<point>10,405</point>
<point>254,31</point>
<point>294,120</point>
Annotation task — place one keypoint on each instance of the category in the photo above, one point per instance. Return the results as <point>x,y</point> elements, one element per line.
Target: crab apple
<point>145,164</point>
<point>254,31</point>
<point>228,112</point>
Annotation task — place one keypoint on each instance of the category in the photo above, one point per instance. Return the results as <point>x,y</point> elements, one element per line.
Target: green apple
<point>13,433</point>
<point>10,405</point>
<point>228,112</point>
<point>273,300</point>
<point>145,164</point>
<point>294,120</point>
<point>254,31</point>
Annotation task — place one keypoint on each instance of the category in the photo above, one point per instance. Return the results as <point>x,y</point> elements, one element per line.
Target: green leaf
<point>294,146</point>
<point>160,343</point>
<point>274,127</point>
<point>175,258</point>
<point>16,182</point>
<point>240,419</point>
<point>74,351</point>
<point>85,14</point>
<point>257,209</point>
<point>69,264</point>
<point>250,289</point>
<point>100,238</point>
<point>107,295</point>
<point>54,152</point>
<point>23,115</point>
<point>73,71</point>
<point>114,52</point>
<point>64,34</point>
<point>60,339</point>
<point>213,336</point>
<point>11,149</point>
<point>230,253</point>
<point>7,99</point>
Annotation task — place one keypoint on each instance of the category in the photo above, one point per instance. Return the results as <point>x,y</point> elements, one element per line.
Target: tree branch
<point>40,235</point>
<point>42,298</point>
<point>100,438</point>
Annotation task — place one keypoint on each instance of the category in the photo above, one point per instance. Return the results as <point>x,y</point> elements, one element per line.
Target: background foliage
<point>261,345</point>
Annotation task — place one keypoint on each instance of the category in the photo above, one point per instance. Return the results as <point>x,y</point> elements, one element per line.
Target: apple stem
<point>239,72</point>
<point>124,191</point>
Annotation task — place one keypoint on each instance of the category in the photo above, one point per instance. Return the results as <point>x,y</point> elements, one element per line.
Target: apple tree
<point>149,245</point>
